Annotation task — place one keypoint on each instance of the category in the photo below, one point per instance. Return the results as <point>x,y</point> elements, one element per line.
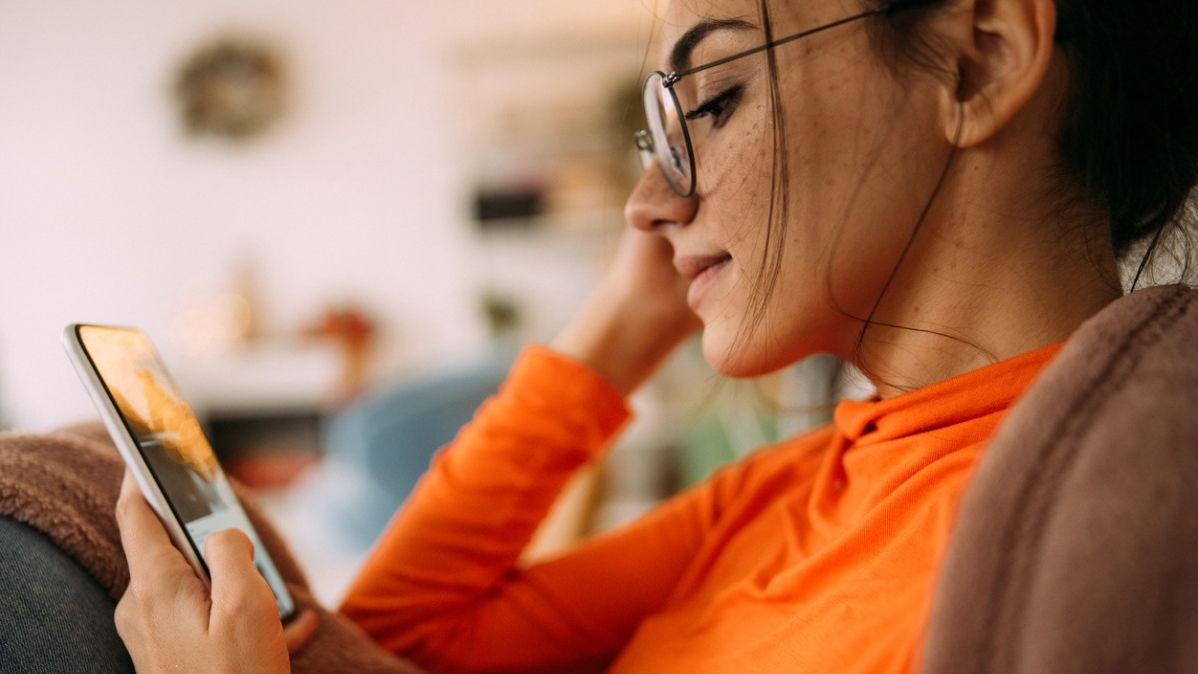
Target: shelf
<point>271,379</point>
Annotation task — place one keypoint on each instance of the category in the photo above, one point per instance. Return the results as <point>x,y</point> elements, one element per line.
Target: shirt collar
<point>966,396</point>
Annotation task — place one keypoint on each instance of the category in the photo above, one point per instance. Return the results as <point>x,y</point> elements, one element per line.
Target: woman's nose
<point>654,203</point>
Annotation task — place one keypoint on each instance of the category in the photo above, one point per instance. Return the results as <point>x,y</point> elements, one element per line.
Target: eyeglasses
<point>667,139</point>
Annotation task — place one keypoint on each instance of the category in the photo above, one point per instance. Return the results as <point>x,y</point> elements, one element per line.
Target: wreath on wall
<point>232,88</point>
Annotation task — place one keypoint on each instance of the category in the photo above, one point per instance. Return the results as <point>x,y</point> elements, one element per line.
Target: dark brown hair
<point>1129,136</point>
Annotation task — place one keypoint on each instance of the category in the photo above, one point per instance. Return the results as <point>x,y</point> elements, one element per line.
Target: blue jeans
<point>54,617</point>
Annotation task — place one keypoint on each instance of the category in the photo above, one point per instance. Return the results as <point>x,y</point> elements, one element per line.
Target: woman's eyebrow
<point>680,55</point>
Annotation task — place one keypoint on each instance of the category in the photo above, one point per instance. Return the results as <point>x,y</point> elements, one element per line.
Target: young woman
<point>938,191</point>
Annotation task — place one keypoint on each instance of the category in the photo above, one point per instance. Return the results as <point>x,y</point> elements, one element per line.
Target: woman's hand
<point>637,315</point>
<point>170,622</point>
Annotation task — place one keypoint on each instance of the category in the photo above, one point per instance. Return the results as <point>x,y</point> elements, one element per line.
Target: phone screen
<point>169,438</point>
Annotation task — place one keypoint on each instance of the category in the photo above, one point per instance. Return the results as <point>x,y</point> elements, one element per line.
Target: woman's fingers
<point>239,590</point>
<point>170,622</point>
<point>153,559</point>
<point>300,631</point>
<point>165,598</point>
<point>237,586</point>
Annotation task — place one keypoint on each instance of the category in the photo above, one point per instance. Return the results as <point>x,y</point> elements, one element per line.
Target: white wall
<point>108,214</point>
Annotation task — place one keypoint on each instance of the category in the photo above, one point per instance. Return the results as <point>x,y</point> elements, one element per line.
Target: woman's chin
<point>736,354</point>
<point>727,353</point>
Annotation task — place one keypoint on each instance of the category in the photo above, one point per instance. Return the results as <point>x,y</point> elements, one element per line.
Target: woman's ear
<point>1001,50</point>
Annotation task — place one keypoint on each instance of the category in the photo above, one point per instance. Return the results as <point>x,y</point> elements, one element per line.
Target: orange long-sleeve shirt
<point>814,555</point>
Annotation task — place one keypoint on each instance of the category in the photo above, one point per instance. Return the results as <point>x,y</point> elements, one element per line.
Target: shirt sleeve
<point>443,586</point>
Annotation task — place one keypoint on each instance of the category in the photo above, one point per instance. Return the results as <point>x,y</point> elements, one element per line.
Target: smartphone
<point>163,445</point>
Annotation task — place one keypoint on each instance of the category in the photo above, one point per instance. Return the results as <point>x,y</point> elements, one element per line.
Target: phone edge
<point>127,448</point>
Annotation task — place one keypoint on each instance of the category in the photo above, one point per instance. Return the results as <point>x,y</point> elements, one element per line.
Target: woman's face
<point>863,155</point>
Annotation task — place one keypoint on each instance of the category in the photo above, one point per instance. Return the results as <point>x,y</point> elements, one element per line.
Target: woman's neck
<point>986,281</point>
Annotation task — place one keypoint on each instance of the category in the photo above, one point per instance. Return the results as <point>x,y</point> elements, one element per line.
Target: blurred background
<point>339,224</point>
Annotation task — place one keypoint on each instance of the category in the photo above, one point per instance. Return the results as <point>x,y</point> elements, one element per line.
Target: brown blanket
<point>65,484</point>
<point>1076,546</point>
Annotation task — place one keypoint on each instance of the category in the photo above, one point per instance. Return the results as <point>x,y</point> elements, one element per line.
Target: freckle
<point>915,309</point>
<point>935,269</point>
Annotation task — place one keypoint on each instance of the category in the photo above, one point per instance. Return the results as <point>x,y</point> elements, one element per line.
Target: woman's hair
<point>1128,139</point>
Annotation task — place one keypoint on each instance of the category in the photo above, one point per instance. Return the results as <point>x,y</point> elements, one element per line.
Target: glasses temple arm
<point>676,75</point>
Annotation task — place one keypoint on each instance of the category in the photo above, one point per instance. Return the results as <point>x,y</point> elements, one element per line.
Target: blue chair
<point>385,441</point>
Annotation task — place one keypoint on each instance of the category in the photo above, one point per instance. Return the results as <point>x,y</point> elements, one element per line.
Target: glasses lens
<point>644,148</point>
<point>670,145</point>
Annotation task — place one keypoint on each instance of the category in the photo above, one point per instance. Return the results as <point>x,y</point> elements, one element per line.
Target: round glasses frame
<point>677,163</point>
<point>653,143</point>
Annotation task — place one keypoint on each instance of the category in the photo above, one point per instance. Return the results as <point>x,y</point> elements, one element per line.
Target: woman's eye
<point>719,108</point>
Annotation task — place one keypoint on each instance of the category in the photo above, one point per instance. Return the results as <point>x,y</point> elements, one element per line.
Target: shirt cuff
<point>555,383</point>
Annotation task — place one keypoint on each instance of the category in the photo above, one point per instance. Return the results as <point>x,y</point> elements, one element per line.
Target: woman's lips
<point>701,270</point>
